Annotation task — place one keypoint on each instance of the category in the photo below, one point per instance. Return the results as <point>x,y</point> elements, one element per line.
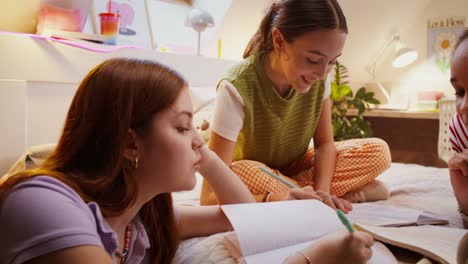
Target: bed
<point>412,186</point>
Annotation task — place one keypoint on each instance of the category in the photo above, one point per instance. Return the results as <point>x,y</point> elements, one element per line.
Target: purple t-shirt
<point>43,215</point>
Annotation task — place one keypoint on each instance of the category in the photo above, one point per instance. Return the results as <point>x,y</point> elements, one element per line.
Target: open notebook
<point>443,244</point>
<point>381,215</point>
<point>270,232</point>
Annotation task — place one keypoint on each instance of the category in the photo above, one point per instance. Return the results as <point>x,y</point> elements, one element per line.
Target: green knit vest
<point>276,130</point>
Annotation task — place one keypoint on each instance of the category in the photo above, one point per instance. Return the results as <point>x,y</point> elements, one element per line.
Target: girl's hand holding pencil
<point>304,193</point>
<point>294,193</point>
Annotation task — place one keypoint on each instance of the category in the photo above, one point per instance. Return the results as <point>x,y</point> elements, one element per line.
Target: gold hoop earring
<point>135,163</point>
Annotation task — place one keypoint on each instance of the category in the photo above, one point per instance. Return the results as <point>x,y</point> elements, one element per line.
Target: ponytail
<point>261,40</point>
<point>294,18</point>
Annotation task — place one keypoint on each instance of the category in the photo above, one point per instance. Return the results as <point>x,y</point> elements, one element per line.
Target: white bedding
<point>411,185</point>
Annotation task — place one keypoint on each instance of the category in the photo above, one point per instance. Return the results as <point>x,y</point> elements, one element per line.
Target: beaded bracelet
<point>265,197</point>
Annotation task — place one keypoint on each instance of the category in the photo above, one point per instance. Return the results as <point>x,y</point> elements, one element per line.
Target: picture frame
<point>442,35</point>
<point>135,27</point>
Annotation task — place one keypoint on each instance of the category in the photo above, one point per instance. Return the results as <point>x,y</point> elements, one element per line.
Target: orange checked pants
<point>358,162</point>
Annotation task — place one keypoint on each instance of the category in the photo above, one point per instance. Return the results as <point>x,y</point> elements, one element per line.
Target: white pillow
<point>31,158</point>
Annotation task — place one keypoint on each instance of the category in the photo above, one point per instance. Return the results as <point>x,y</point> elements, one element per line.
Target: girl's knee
<point>379,144</point>
<point>241,166</point>
<point>381,150</point>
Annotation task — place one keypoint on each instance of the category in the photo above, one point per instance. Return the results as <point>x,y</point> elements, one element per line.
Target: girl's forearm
<point>325,162</point>
<point>225,184</point>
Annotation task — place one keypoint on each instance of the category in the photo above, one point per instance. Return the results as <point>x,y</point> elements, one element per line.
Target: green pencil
<point>285,182</point>
<point>345,221</point>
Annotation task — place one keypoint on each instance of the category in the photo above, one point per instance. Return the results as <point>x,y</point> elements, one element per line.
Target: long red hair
<point>115,96</point>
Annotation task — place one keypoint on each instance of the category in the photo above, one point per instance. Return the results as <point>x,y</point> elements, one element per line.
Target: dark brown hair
<point>117,95</point>
<point>463,36</point>
<point>295,18</point>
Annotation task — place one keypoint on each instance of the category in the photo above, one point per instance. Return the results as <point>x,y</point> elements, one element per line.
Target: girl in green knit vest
<point>273,103</point>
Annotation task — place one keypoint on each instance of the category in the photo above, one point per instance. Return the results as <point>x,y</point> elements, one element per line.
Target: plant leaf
<point>345,127</point>
<point>373,101</point>
<point>361,93</point>
<point>360,106</point>
<point>338,92</point>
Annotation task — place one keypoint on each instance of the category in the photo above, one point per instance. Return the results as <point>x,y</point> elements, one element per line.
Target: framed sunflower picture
<point>442,36</point>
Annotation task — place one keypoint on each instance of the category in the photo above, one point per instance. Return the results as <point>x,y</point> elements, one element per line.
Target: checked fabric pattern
<point>359,161</point>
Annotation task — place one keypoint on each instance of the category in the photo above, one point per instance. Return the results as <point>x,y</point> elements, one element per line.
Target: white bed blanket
<point>411,185</point>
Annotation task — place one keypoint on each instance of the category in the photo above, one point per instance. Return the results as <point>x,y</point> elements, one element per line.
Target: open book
<point>443,244</point>
<point>382,215</point>
<point>270,232</point>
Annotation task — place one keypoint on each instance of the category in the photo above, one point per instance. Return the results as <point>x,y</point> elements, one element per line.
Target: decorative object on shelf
<point>220,48</point>
<point>442,34</point>
<point>427,100</point>
<point>109,27</point>
<point>403,56</point>
<point>199,20</point>
<point>65,15</point>
<point>74,36</point>
<point>169,17</point>
<point>134,27</point>
<point>342,97</point>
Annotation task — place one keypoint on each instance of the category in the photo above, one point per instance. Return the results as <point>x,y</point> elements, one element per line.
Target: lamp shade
<point>199,20</point>
<point>403,57</point>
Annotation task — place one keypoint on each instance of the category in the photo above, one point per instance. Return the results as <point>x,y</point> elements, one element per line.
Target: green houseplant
<point>347,127</point>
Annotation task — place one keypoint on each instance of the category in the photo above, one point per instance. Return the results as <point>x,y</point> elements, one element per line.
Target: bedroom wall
<point>14,17</point>
<point>170,31</point>
<point>371,23</point>
<point>38,79</point>
<point>39,62</point>
<point>423,75</point>
<point>12,126</point>
<point>367,27</point>
<point>239,25</point>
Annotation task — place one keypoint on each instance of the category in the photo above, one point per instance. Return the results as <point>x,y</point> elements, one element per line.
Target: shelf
<point>35,58</point>
<point>412,114</point>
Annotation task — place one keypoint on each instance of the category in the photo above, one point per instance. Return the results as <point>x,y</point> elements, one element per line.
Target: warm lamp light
<point>403,57</point>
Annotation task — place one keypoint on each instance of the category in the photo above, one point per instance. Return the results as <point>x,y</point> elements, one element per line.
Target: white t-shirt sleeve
<point>327,91</point>
<point>228,116</point>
